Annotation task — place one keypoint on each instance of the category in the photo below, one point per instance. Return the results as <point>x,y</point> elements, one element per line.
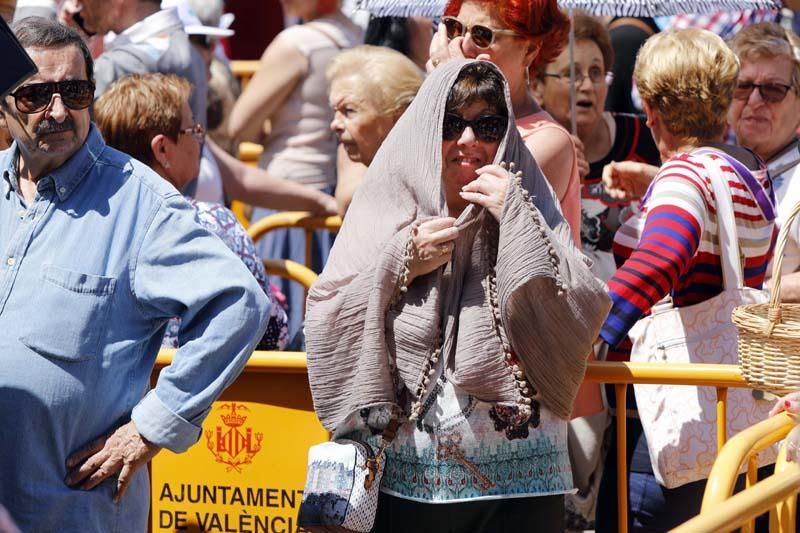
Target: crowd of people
<point>497,235</point>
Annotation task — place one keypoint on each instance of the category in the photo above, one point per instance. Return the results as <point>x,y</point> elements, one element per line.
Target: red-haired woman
<point>518,35</point>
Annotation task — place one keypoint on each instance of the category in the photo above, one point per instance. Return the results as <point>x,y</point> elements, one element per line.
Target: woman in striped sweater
<point>671,246</point>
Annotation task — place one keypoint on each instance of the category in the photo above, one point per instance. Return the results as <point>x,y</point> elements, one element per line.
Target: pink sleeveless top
<point>540,128</point>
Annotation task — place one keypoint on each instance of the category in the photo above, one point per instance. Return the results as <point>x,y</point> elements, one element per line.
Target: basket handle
<point>774,312</point>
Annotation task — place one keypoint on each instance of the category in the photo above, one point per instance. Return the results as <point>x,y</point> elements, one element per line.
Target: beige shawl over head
<point>550,305</point>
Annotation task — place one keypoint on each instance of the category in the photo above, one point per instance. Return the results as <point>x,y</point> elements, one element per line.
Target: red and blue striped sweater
<point>672,245</point>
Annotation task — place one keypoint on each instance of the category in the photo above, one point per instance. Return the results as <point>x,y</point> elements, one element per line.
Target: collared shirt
<point>155,44</point>
<point>90,273</point>
<point>784,168</point>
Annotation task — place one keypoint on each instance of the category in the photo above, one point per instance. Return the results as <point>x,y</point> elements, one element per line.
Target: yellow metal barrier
<point>295,219</point>
<point>248,154</point>
<point>250,463</point>
<point>723,512</point>
<point>244,70</point>
<point>621,375</point>
<point>291,270</point>
<point>247,471</point>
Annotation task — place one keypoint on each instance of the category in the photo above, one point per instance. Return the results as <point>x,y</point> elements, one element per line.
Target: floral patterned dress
<point>220,221</point>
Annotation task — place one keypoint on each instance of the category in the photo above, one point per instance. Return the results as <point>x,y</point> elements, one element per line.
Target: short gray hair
<point>390,80</point>
<point>40,32</point>
<point>768,39</point>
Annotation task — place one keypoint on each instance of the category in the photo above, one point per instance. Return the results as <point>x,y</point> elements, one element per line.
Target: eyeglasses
<point>197,131</point>
<point>772,93</point>
<point>76,94</point>
<point>487,128</point>
<point>596,77</point>
<point>482,36</point>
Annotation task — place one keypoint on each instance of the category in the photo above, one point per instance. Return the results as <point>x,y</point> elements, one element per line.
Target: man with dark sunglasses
<point>98,253</point>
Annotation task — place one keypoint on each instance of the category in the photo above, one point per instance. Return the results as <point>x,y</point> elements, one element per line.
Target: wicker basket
<point>769,334</point>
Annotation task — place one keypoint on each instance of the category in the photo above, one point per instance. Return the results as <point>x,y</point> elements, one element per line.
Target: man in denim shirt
<point>98,254</point>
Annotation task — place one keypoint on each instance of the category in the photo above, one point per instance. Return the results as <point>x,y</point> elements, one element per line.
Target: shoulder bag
<point>679,421</point>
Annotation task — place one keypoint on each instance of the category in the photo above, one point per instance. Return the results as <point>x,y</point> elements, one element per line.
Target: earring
<point>166,164</point>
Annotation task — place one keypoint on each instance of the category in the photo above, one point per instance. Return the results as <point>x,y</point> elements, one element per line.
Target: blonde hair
<point>137,108</point>
<point>390,79</point>
<point>689,77</point>
<point>767,39</point>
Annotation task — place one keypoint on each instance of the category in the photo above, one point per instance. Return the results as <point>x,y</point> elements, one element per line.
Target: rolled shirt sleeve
<point>181,270</point>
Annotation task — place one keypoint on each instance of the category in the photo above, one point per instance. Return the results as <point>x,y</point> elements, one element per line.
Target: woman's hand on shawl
<point>433,242</point>
<point>488,190</point>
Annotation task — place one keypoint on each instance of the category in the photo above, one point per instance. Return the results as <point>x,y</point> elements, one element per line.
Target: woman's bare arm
<point>256,187</point>
<point>553,152</point>
<point>282,67</point>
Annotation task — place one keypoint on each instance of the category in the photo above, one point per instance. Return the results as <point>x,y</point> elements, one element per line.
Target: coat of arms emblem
<point>233,444</point>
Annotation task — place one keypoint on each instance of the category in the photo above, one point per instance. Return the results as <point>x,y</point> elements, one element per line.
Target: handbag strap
<point>765,201</point>
<point>730,255</point>
<point>373,463</point>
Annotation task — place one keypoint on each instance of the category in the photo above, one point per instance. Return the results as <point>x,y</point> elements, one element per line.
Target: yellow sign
<point>247,471</point>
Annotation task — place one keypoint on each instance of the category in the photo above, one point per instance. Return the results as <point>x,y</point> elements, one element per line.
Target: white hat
<point>194,26</point>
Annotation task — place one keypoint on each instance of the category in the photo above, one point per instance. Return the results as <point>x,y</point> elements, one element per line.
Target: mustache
<point>51,126</point>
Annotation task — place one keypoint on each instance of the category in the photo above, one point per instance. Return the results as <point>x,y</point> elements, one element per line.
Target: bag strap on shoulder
<point>730,254</point>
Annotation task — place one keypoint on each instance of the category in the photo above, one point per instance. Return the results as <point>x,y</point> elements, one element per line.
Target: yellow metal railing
<point>259,362</point>
<point>295,219</point>
<point>244,70</point>
<point>721,377</point>
<point>248,154</point>
<point>777,493</point>
<point>753,501</point>
<point>291,270</point>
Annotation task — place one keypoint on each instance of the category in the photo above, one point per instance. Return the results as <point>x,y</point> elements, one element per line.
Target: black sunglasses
<point>482,36</point>
<point>76,94</point>
<point>487,128</point>
<point>772,93</point>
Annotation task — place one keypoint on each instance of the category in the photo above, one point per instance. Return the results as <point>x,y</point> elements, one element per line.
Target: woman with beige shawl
<point>455,302</point>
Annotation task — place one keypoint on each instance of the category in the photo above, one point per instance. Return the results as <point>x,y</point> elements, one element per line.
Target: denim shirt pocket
<point>76,308</point>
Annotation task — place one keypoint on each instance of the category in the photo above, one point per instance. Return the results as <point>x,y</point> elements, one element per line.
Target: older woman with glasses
<point>148,117</point>
<point>517,35</point>
<point>765,114</point>
<point>606,137</point>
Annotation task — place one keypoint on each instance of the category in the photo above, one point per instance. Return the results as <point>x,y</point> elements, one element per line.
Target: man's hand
<point>628,180</point>
<point>434,241</point>
<point>488,190</point>
<point>123,451</point>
